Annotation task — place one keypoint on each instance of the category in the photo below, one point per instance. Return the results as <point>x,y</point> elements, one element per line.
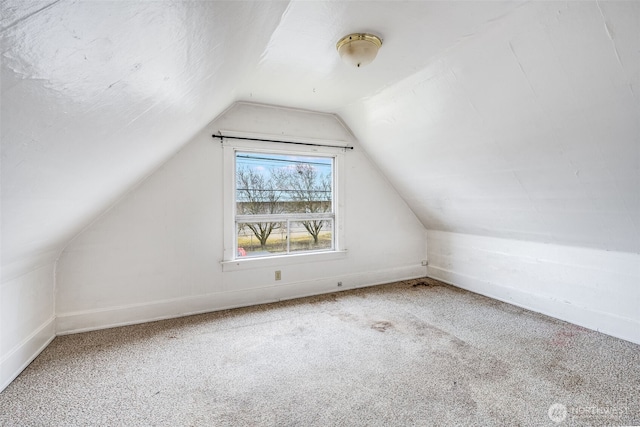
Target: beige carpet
<point>410,353</point>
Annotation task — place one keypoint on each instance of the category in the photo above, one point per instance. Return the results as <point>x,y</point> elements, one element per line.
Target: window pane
<point>261,239</point>
<point>312,235</point>
<point>282,184</point>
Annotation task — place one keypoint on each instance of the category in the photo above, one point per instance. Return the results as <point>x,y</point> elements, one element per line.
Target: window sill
<point>280,260</point>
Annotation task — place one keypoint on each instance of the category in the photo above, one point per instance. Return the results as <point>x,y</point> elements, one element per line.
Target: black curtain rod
<point>348,147</point>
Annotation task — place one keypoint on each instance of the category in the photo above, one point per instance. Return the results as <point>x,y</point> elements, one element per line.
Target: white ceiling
<point>527,130</point>
<point>509,119</point>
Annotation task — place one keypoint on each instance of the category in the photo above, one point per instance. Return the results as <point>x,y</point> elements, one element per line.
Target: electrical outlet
<point>339,283</point>
<point>278,274</point>
<point>425,263</point>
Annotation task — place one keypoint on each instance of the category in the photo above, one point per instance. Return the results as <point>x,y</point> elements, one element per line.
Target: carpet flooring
<point>408,353</point>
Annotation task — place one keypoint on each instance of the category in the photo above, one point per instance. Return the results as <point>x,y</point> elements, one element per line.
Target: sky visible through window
<point>265,162</point>
<point>268,165</point>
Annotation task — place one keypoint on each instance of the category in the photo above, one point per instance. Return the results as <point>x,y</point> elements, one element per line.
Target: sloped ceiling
<point>511,119</point>
<point>529,129</point>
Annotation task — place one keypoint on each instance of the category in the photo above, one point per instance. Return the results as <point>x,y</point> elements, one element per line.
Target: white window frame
<point>230,261</point>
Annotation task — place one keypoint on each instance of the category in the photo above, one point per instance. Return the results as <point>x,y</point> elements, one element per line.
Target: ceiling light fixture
<point>358,49</point>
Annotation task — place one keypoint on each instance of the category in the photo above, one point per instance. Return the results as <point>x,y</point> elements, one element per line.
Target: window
<point>284,204</point>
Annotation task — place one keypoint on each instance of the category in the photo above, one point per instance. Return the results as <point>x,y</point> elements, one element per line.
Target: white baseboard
<point>68,323</point>
<point>14,362</point>
<point>619,327</point>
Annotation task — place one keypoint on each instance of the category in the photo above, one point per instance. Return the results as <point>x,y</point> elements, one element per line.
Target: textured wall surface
<point>528,129</point>
<point>589,287</point>
<point>27,320</point>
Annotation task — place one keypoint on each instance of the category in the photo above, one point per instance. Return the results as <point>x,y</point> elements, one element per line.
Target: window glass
<point>311,235</point>
<point>284,204</point>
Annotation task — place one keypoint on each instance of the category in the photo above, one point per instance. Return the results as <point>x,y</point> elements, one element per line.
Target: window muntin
<point>284,204</point>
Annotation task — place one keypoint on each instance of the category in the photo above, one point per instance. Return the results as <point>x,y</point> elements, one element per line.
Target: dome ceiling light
<point>358,49</point>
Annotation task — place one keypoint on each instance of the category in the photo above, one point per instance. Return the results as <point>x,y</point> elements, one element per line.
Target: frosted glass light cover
<point>359,49</point>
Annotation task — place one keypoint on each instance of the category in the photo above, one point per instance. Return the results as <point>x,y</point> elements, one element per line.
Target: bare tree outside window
<point>311,191</point>
<point>258,194</point>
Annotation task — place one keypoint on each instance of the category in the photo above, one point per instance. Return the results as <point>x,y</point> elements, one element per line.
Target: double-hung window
<point>282,202</point>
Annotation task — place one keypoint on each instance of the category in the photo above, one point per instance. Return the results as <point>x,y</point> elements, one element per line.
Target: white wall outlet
<point>425,262</point>
<point>278,274</point>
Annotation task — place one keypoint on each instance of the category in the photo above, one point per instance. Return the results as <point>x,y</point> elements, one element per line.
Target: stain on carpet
<point>381,326</point>
<point>424,282</point>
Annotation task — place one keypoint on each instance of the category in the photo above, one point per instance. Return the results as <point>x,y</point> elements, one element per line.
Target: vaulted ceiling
<point>509,119</point>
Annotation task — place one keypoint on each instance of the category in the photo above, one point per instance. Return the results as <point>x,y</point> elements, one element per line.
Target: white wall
<point>589,287</point>
<point>157,253</point>
<point>27,321</point>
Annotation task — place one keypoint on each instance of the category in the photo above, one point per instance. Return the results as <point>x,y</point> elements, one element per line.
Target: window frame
<point>231,261</point>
